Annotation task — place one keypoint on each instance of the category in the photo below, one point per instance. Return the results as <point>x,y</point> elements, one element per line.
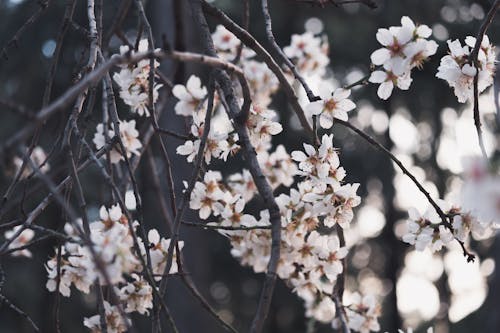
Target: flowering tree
<point>284,211</point>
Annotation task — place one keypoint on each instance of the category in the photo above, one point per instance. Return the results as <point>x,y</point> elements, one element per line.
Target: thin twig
<point>20,312</point>
<point>474,61</point>
<point>270,37</point>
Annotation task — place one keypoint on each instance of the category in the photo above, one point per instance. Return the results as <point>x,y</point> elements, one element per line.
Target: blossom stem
<point>473,60</point>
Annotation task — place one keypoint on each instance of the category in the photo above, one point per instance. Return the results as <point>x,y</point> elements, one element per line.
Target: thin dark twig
<point>14,41</point>
<point>270,37</point>
<point>246,26</point>
<point>20,312</point>
<point>474,61</point>
<point>222,227</point>
<point>187,193</point>
<point>17,108</point>
<point>369,3</point>
<point>173,134</point>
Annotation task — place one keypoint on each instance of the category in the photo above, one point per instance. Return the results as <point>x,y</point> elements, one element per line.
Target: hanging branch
<point>474,61</point>
<point>252,163</point>
<point>444,218</point>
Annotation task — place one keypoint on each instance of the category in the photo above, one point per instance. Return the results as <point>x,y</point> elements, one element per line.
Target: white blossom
<point>330,107</point>
<point>22,239</point>
<point>129,136</point>
<point>456,69</point>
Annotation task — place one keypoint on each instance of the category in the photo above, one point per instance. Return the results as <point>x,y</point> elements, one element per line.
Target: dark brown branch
<point>250,156</point>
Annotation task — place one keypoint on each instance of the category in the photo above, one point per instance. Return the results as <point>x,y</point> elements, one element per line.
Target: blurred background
<point>425,127</point>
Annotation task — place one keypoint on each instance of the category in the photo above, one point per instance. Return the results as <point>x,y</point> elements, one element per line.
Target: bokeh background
<point>425,127</point>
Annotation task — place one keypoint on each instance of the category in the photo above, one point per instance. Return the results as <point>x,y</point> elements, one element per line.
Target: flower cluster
<point>404,48</point>
<point>309,53</point>
<point>133,81</point>
<point>362,313</point>
<point>24,237</point>
<point>480,193</point>
<point>227,45</point>
<point>428,229</point>
<point>129,136</point>
<point>310,257</point>
<point>115,323</point>
<point>38,157</point>
<point>456,68</point>
<point>221,140</point>
<point>113,247</point>
<point>219,144</point>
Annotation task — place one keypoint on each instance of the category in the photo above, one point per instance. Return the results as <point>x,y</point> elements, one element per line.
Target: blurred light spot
<point>465,14</point>
<point>48,48</point>
<point>371,221</point>
<point>440,32</point>
<point>314,25</point>
<point>449,14</point>
<point>466,283</point>
<point>400,228</point>
<point>403,133</point>
<point>477,11</point>
<point>353,76</point>
<point>220,292</point>
<point>361,256</point>
<point>487,267</point>
<point>12,3</point>
<point>380,121</point>
<point>227,316</point>
<point>365,113</point>
<point>417,295</point>
<point>424,264</point>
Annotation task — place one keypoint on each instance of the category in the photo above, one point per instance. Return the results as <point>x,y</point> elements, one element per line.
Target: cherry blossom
<point>22,239</point>
<point>114,321</point>
<point>456,69</point>
<point>309,53</point>
<point>363,313</point>
<point>330,107</point>
<point>129,136</point>
<point>191,97</point>
<point>404,48</point>
<point>133,81</point>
